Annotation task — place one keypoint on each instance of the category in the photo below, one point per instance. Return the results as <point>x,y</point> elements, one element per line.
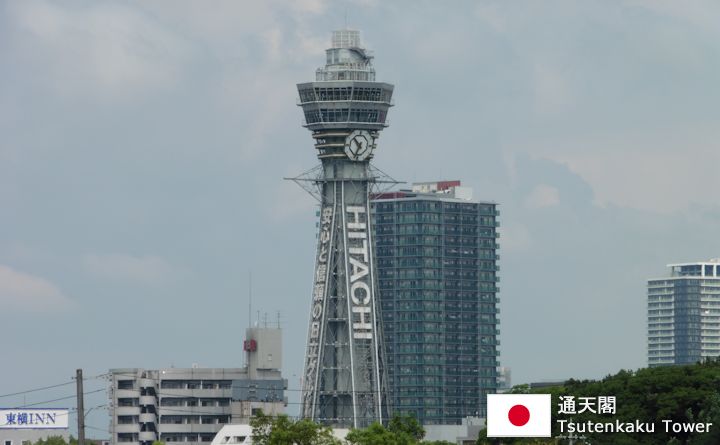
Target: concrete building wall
<point>190,405</point>
<point>264,350</point>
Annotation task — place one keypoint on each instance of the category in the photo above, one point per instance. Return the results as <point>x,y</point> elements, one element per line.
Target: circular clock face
<point>358,145</point>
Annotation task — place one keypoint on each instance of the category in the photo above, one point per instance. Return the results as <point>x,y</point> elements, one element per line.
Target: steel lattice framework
<point>345,108</point>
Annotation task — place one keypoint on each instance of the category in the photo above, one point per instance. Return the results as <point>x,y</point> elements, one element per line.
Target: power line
<point>105,430</point>
<point>60,398</point>
<point>36,389</point>
<point>27,391</point>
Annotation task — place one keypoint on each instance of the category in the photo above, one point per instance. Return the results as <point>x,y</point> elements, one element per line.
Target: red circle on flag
<point>519,415</point>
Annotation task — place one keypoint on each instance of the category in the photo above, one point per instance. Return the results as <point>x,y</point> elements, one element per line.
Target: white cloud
<point>145,270</point>
<point>309,6</point>
<point>666,170</point>
<point>552,90</point>
<point>101,49</point>
<point>664,182</point>
<point>24,292</point>
<point>514,237</point>
<point>491,15</point>
<point>541,196</point>
<point>701,13</point>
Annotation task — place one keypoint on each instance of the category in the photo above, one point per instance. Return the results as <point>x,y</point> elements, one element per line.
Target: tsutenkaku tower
<point>345,108</point>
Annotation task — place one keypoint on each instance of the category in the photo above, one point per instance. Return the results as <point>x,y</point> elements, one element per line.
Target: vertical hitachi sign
<point>360,289</point>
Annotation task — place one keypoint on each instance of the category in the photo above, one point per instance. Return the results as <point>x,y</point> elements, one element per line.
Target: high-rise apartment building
<point>191,405</point>
<point>684,314</point>
<point>437,266</point>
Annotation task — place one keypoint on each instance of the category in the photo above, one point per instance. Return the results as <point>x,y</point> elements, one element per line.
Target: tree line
<point>683,394</point>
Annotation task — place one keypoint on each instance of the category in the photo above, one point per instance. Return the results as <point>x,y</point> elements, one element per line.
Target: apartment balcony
<point>196,392</point>
<point>127,393</point>
<point>187,410</point>
<point>148,400</point>
<point>147,383</point>
<point>127,428</point>
<point>148,436</point>
<point>148,418</point>
<point>127,411</point>
<point>190,427</point>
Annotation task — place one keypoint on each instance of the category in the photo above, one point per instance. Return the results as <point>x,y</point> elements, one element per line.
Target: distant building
<point>684,314</point>
<point>546,384</point>
<point>437,262</point>
<point>20,426</point>
<point>191,405</point>
<point>465,433</point>
<point>504,379</point>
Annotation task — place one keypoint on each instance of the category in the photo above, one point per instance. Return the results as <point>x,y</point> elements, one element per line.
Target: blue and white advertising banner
<point>33,418</point>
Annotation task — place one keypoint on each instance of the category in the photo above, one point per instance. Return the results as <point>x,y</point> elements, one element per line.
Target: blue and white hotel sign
<point>35,418</point>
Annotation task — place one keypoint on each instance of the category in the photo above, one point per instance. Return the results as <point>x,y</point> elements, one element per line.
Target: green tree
<point>281,430</point>
<point>407,425</point>
<point>52,440</point>
<point>520,389</point>
<point>377,434</point>
<point>484,440</point>
<point>401,430</point>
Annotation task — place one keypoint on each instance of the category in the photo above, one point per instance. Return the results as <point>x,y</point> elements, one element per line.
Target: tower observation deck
<point>345,108</point>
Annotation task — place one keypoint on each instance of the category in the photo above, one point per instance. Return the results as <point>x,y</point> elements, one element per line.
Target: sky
<point>143,147</point>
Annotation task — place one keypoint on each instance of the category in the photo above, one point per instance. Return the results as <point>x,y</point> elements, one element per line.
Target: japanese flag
<point>518,415</point>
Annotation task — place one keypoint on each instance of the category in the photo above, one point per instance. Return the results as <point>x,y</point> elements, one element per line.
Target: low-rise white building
<point>240,434</point>
<point>191,405</point>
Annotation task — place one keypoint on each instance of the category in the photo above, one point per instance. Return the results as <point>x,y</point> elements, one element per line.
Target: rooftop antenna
<point>250,298</point>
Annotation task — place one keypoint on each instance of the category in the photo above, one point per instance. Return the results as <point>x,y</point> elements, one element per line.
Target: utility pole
<point>80,407</point>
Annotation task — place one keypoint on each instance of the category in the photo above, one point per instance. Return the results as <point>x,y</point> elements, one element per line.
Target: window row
<point>345,93</point>
<point>344,115</point>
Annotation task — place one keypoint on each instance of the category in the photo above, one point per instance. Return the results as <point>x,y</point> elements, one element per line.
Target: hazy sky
<point>143,146</point>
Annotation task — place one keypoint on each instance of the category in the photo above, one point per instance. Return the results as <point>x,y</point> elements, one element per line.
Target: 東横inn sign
<point>34,418</point>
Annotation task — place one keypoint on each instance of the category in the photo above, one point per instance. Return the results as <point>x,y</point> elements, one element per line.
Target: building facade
<point>438,272</point>
<point>684,314</point>
<point>345,108</point>
<point>191,405</point>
